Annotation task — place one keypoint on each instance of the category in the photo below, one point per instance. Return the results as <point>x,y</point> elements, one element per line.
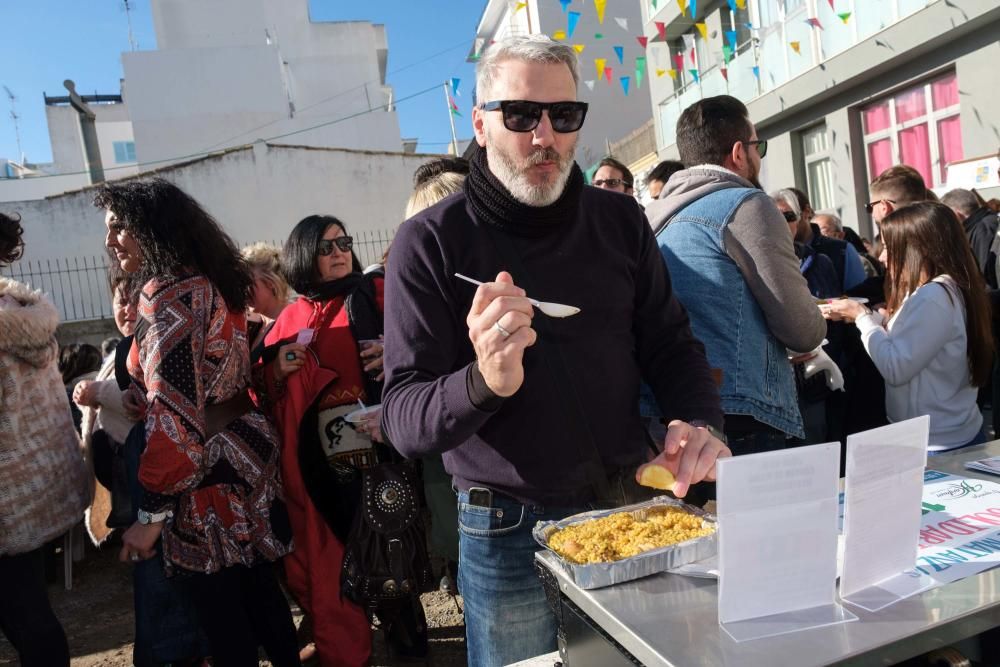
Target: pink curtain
<point>915,150</point>
<point>879,157</point>
<point>910,104</point>
<point>944,92</point>
<point>876,117</point>
<point>949,143</point>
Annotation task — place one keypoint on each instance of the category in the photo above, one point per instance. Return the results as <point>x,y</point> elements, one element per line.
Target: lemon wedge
<point>657,477</point>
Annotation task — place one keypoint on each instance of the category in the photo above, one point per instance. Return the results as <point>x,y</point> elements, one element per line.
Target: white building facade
<point>613,114</point>
<point>841,89</point>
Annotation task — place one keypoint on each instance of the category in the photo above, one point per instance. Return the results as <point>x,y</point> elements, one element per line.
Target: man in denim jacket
<point>733,267</point>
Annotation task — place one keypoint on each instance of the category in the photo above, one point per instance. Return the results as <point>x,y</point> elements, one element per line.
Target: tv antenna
<point>128,17</point>
<point>17,121</point>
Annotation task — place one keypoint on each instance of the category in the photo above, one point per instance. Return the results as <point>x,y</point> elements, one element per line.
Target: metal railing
<point>78,286</point>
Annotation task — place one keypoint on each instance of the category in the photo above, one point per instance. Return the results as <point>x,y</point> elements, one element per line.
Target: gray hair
<point>526,48</point>
<point>961,199</point>
<point>789,199</point>
<point>838,224</point>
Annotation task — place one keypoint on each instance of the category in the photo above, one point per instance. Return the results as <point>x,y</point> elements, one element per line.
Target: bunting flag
<point>725,73</point>
<point>599,64</point>
<point>796,46</point>
<point>519,6</point>
<point>624,81</point>
<point>454,85</point>
<point>682,5</point>
<point>679,60</point>
<point>640,70</point>
<point>660,72</point>
<point>559,35</point>
<point>703,29</point>
<point>689,46</point>
<point>742,4</point>
<point>599,5</point>
<point>727,53</point>
<point>579,47</point>
<point>565,4</point>
<point>642,41</point>
<point>571,20</point>
<point>731,36</point>
<point>653,2</point>
<point>756,72</point>
<point>672,73</point>
<point>844,17</point>
<point>622,23</point>
<point>661,30</point>
<point>693,7</point>
<point>598,35</point>
<point>589,84</point>
<point>694,75</point>
<point>814,22</point>
<point>454,107</point>
<point>732,6</point>
<point>832,8</point>
<point>620,52</point>
<point>607,73</point>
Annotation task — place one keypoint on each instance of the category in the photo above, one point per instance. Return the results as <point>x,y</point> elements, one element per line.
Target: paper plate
<point>355,417</point>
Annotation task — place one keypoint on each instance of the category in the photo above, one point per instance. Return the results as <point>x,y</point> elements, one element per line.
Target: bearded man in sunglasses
<point>536,416</point>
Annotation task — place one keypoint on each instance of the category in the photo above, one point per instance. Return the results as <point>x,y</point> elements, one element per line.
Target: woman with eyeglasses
<point>932,343</point>
<point>322,361</point>
<point>211,512</point>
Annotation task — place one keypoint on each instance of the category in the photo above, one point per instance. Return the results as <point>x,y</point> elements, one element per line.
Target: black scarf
<point>331,289</point>
<point>493,203</point>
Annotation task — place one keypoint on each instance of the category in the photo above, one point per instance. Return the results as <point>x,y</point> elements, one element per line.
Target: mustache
<point>544,155</point>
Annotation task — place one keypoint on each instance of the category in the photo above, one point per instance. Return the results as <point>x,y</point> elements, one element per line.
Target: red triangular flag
<point>661,28</point>
<point>725,73</point>
<point>679,60</point>
<point>832,8</point>
<point>642,41</point>
<point>607,74</point>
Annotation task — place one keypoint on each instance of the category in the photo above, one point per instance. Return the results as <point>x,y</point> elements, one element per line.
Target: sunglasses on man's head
<point>343,243</point>
<point>524,116</point>
<point>761,145</point>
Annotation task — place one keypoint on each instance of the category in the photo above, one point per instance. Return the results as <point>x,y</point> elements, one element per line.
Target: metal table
<point>670,620</point>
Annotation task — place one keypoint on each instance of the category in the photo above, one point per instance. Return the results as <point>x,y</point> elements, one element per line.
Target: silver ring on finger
<point>503,332</point>
<point>134,557</point>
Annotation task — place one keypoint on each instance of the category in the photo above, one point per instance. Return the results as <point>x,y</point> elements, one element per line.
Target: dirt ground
<point>97,618</point>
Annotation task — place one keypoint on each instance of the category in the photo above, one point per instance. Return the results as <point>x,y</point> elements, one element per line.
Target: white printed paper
<point>777,532</point>
<point>305,336</point>
<point>882,490</point>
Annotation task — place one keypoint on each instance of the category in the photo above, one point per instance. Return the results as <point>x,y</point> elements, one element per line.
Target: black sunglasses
<point>790,216</point>
<point>611,182</point>
<point>524,116</point>
<point>761,145</point>
<point>871,205</point>
<point>343,243</point>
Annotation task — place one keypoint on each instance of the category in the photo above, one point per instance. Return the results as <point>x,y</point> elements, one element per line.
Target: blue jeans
<point>507,618</point>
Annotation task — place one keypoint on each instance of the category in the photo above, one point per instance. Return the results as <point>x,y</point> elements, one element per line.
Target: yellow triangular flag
<point>672,73</point>
<point>599,5</point>
<point>741,4</point>
<point>703,29</point>
<point>660,72</point>
<point>796,46</point>
<point>519,6</point>
<point>683,5</point>
<point>559,35</point>
<point>579,47</point>
<point>599,63</point>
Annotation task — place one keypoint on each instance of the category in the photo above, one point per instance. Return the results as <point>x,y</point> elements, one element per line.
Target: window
<point>918,126</point>
<point>124,151</point>
<point>819,172</point>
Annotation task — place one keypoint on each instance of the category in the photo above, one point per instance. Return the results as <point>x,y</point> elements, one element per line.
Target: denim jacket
<point>757,379</point>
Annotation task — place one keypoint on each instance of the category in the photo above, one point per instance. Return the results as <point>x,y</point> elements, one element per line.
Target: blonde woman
<point>270,292</point>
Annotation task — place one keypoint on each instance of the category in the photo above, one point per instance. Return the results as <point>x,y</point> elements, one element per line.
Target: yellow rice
<point>621,535</point>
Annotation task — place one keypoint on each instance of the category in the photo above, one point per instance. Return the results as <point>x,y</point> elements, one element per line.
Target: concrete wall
<point>113,124</point>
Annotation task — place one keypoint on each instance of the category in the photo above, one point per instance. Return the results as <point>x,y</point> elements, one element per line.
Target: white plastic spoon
<point>550,309</point>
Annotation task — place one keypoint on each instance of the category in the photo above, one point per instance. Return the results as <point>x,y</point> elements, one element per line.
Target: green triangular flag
<point>640,70</point>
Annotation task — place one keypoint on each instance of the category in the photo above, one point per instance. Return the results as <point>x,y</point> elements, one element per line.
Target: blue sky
<point>47,41</point>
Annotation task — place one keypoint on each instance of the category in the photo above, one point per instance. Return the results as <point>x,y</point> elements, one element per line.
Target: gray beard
<point>513,176</point>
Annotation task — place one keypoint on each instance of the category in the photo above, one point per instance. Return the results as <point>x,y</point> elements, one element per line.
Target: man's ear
<point>737,156</point>
<point>478,126</point>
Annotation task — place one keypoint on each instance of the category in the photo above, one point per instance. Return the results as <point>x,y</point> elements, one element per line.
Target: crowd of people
<point>250,448</point>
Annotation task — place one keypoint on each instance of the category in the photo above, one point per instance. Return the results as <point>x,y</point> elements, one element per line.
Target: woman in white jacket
<point>932,343</point>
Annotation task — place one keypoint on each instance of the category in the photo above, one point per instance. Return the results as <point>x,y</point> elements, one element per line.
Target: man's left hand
<point>138,542</point>
<point>690,453</point>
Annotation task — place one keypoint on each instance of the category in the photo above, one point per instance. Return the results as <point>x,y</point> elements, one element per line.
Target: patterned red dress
<point>224,490</point>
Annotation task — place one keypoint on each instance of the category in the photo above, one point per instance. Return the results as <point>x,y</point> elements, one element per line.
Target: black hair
<point>429,170</point>
<point>78,359</point>
<point>663,171</point>
<point>177,236</point>
<point>708,129</point>
<point>802,198</point>
<point>298,258</point>
<point>615,164</point>
<point>11,243</point>
<point>852,237</point>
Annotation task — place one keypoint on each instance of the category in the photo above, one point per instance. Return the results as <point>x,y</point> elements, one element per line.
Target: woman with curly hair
<point>211,502</point>
<point>43,479</point>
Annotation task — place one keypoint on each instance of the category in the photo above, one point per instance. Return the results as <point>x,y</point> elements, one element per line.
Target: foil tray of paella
<point>607,547</point>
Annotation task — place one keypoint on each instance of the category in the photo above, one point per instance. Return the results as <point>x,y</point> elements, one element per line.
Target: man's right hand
<point>500,329</point>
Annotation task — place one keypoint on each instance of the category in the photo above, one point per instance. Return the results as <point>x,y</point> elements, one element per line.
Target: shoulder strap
<point>553,359</point>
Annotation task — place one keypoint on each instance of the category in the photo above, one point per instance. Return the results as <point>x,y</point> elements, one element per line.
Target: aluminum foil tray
<point>598,575</point>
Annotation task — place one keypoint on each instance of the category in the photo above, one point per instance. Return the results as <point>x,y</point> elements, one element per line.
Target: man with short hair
<point>613,175</point>
<point>830,225</point>
<point>894,188</point>
<point>733,267</point>
<point>850,268</point>
<point>980,223</point>
<point>536,417</point>
<point>659,175</point>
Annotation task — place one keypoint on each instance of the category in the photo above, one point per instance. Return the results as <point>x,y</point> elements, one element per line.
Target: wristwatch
<point>712,431</point>
<point>146,518</point>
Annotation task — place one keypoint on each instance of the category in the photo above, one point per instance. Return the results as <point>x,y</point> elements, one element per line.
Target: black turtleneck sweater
<point>601,258</point>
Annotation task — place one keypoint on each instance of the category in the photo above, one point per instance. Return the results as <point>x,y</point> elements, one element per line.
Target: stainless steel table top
<point>673,620</point>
